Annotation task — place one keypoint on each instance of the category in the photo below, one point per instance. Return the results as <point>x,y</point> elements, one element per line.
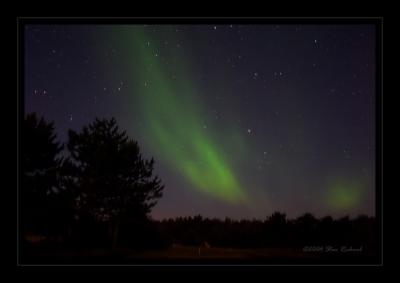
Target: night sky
<point>242,120</point>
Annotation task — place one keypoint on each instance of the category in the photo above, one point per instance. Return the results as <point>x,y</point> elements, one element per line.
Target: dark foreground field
<point>178,254</point>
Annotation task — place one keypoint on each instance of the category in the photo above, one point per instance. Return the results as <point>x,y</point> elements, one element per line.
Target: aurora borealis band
<point>242,120</point>
<point>174,127</point>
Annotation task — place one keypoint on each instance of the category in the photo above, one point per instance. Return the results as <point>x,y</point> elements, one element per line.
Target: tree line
<point>275,231</point>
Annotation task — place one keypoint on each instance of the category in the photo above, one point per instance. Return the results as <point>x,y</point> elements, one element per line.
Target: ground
<point>179,254</point>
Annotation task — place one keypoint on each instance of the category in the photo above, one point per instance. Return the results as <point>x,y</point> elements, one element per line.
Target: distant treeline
<point>275,231</point>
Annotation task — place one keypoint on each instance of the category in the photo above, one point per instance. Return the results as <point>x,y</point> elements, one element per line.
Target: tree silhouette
<point>40,190</point>
<point>114,182</point>
<point>276,228</point>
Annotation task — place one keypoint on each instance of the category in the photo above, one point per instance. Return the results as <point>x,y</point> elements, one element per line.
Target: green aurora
<point>343,195</point>
<point>174,124</point>
<point>173,118</point>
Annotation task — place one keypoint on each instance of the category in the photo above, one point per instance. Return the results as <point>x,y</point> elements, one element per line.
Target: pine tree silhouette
<point>40,180</point>
<point>115,183</point>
